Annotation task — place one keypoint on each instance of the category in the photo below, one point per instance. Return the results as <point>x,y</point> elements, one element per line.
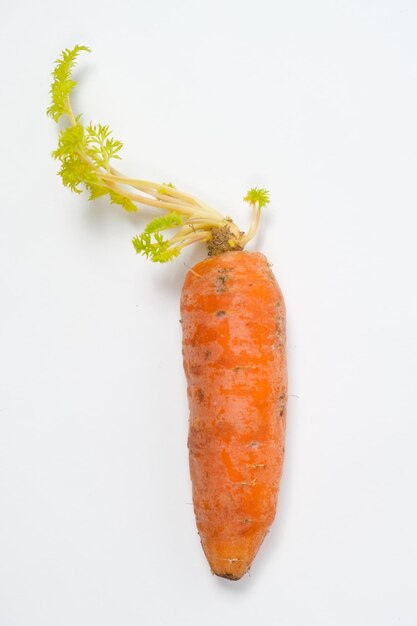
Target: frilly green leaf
<point>125,203</point>
<point>163,222</point>
<point>152,244</point>
<point>62,84</point>
<point>257,196</point>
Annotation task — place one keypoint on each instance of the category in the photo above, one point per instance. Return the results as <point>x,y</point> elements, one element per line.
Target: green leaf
<point>62,84</point>
<point>96,191</point>
<point>257,196</point>
<point>164,221</point>
<point>166,255</point>
<point>84,153</point>
<point>128,205</point>
<point>70,140</point>
<point>75,170</point>
<point>101,146</point>
<point>156,248</point>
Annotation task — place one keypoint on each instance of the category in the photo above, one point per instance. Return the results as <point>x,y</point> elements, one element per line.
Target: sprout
<point>86,155</point>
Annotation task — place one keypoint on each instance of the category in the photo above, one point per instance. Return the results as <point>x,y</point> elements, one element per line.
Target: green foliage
<point>101,146</point>
<point>93,147</point>
<point>168,255</point>
<point>97,190</point>
<point>257,196</point>
<point>75,168</point>
<point>163,222</point>
<point>125,203</point>
<point>63,84</point>
<point>84,153</point>
<point>78,149</point>
<point>151,243</point>
<point>157,249</point>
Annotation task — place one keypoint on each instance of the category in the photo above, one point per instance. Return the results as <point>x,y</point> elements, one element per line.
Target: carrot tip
<point>229,576</point>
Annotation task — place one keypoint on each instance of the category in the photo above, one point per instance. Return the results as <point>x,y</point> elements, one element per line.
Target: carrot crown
<point>86,155</point>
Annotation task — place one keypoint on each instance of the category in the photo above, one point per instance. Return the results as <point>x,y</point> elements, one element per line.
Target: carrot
<point>233,320</point>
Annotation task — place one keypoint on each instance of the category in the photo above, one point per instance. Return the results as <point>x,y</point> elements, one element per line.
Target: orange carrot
<point>233,318</point>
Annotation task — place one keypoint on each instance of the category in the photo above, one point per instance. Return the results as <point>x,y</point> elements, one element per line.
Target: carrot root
<point>233,321</point>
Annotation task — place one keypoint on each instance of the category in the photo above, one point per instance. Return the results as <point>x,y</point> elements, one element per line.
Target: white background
<point>317,101</point>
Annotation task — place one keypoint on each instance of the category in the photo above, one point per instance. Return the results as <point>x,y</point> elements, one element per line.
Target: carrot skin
<point>233,321</point>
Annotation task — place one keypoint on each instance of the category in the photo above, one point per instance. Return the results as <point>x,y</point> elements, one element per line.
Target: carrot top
<point>86,154</point>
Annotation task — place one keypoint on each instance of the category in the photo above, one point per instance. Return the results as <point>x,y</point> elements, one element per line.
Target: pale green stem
<point>196,208</point>
<point>256,216</point>
<point>194,240</point>
<point>185,205</point>
<point>70,112</point>
<point>165,206</point>
<point>141,184</point>
<point>191,235</point>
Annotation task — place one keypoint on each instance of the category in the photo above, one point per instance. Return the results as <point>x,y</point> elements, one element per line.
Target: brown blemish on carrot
<point>200,395</point>
<point>221,280</point>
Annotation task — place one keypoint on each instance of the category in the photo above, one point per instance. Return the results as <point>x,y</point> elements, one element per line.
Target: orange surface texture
<point>233,320</point>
